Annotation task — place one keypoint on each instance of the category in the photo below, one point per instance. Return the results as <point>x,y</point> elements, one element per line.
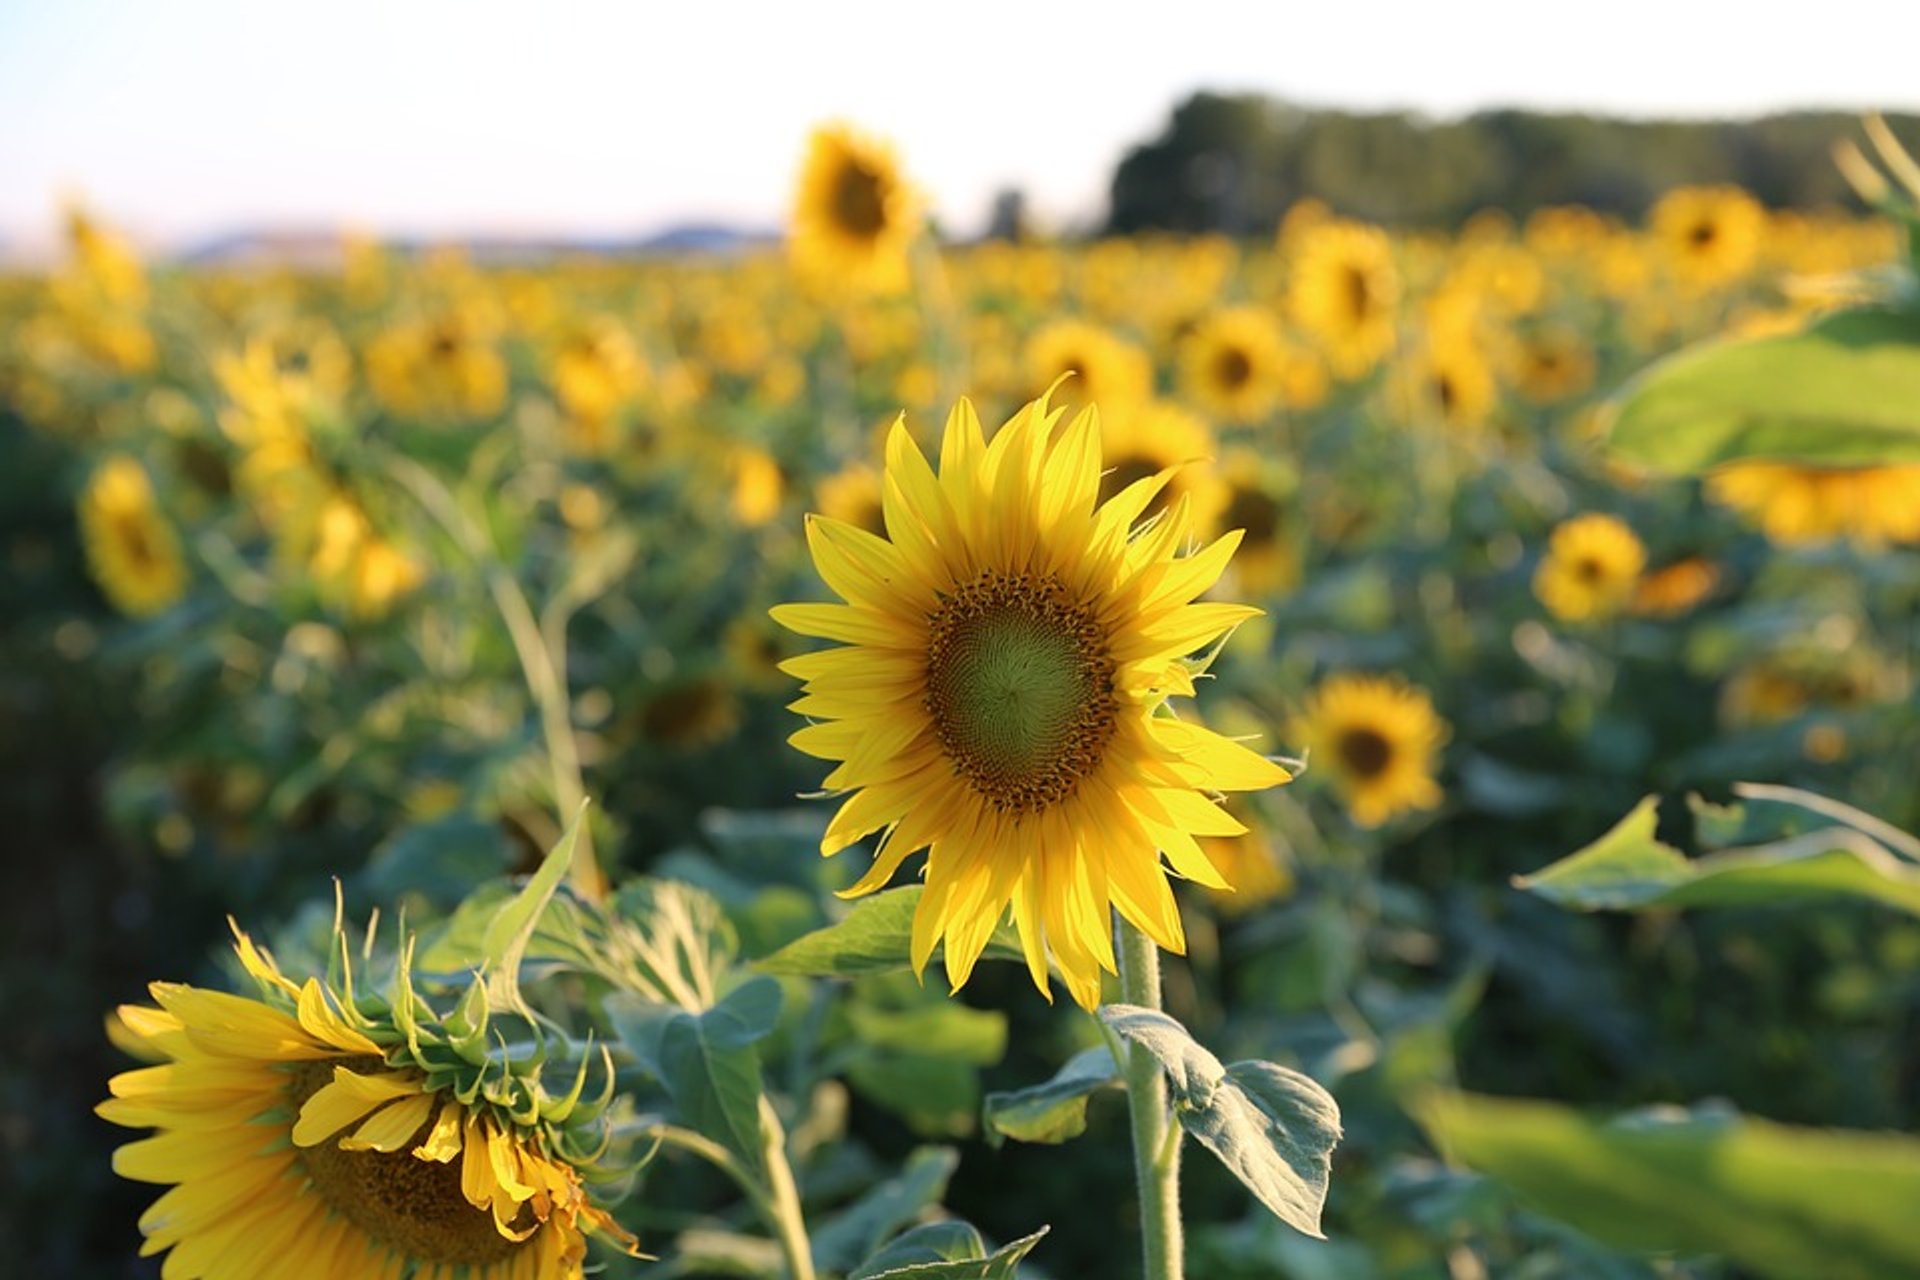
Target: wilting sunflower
<point>301,1139</point>
<point>1013,644</point>
<point>1376,737</point>
<point>1106,368</point>
<point>1592,565</point>
<point>1344,292</point>
<point>854,216</point>
<point>132,550</point>
<point>1235,364</point>
<point>1795,505</point>
<point>1710,234</point>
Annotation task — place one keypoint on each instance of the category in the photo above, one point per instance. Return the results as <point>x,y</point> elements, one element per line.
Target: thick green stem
<point>789,1224</point>
<point>1156,1139</point>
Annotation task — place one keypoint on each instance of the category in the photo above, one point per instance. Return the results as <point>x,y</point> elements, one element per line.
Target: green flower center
<point>1020,688</point>
<point>412,1206</point>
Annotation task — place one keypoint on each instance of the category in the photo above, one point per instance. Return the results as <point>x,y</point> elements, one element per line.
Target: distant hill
<point>1235,163</point>
<point>318,248</point>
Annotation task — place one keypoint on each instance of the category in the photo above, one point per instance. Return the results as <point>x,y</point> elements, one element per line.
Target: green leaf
<point>944,1029</point>
<point>872,938</point>
<point>1807,1204</point>
<point>1002,1264</point>
<point>1273,1128</point>
<point>707,1061</point>
<point>1845,392</point>
<point>504,943</point>
<point>953,1241</point>
<point>1056,1111</point>
<point>1627,869</point>
<point>856,1231</point>
<point>937,1097</point>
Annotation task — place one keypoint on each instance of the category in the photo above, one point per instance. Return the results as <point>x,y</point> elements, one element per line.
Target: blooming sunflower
<point>1376,737</point>
<point>133,551</point>
<point>1344,291</point>
<point>1452,381</point>
<point>1013,644</point>
<point>854,216</point>
<point>1106,368</point>
<point>298,1138</point>
<point>1158,436</point>
<point>1795,505</point>
<point>1591,567</point>
<point>1236,365</point>
<point>1711,235</point>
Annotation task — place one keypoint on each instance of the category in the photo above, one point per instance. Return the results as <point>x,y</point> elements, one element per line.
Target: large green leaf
<point>872,938</point>
<point>504,944</point>
<point>856,1231</point>
<point>1055,1111</point>
<point>1628,868</point>
<point>1845,392</point>
<point>1796,1204</point>
<point>1273,1128</point>
<point>940,1252</point>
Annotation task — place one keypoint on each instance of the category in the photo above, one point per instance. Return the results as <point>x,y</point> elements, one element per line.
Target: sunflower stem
<point>1156,1139</point>
<point>788,1222</point>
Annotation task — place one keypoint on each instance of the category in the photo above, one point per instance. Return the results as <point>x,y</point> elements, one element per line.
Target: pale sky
<point>184,118</point>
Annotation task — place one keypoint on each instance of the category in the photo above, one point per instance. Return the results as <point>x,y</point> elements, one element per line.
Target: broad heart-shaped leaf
<point>1789,1203</point>
<point>504,944</point>
<point>1273,1128</point>
<point>946,1251</point>
<point>1845,392</point>
<point>1627,868</point>
<point>872,938</point>
<point>856,1231</point>
<point>1055,1111</point>
<point>707,1061</point>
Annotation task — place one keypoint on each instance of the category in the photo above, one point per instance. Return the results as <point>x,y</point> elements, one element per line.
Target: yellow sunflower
<point>1106,368</point>
<point>1591,568</point>
<point>1376,738</point>
<point>1255,496</point>
<point>1795,505</point>
<point>852,496</point>
<point>854,217</point>
<point>1711,235</point>
<point>1236,365</point>
<point>1675,588</point>
<point>1344,291</point>
<point>1452,381</point>
<point>1552,365</point>
<point>132,550</point>
<point>293,1143</point>
<point>1013,644</point>
<point>1158,436</point>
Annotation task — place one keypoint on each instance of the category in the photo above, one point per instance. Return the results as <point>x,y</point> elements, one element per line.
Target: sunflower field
<point>1429,716</point>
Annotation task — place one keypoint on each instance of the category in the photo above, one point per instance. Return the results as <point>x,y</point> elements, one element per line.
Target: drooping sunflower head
<point>131,548</point>
<point>1591,567</point>
<point>854,216</point>
<point>1010,648</point>
<point>1376,738</point>
<point>1344,292</point>
<point>293,1125</point>
<point>1797,505</point>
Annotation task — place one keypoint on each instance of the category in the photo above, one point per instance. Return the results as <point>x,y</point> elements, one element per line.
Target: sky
<point>189,118</point>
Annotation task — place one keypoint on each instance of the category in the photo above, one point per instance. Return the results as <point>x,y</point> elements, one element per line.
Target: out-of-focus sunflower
<point>1254,494</point>
<point>851,495</point>
<point>1452,381</point>
<point>443,369</point>
<point>1344,292</point>
<point>1795,505</point>
<point>1551,365</point>
<point>1675,588</point>
<point>1106,369</point>
<point>596,371</point>
<point>298,1137</point>
<point>854,216</point>
<point>1592,565</point>
<point>1236,363</point>
<point>1157,436</point>
<point>758,486</point>
<point>131,548</point>
<point>1710,235</point>
<point>1002,701</point>
<point>1376,737</point>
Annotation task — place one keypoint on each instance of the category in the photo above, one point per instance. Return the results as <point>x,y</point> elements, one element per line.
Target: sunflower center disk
<point>1020,688</point>
<point>411,1205</point>
<point>1365,752</point>
<point>857,202</point>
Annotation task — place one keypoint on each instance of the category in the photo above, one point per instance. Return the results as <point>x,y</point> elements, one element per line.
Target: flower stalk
<point>1156,1136</point>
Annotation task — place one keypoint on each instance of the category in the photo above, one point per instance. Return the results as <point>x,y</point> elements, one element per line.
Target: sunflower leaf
<point>872,938</point>
<point>946,1251</point>
<point>1629,869</point>
<point>504,943</point>
<point>856,1231</point>
<point>1055,1111</point>
<point>1844,392</point>
<point>1781,1201</point>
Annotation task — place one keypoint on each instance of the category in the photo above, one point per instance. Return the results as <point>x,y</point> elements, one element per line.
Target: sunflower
<point>1255,496</point>
<point>1552,365</point>
<point>445,369</point>
<point>852,496</point>
<point>1676,588</point>
<point>758,485</point>
<point>132,550</point>
<point>1002,704</point>
<point>1795,505</point>
<point>1711,235</point>
<point>299,1138</point>
<point>1376,737</point>
<point>1236,365</point>
<point>1106,368</point>
<point>1451,381</point>
<point>854,216</point>
<point>1343,292</point>
<point>1592,565</point>
<point>1158,436</point>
